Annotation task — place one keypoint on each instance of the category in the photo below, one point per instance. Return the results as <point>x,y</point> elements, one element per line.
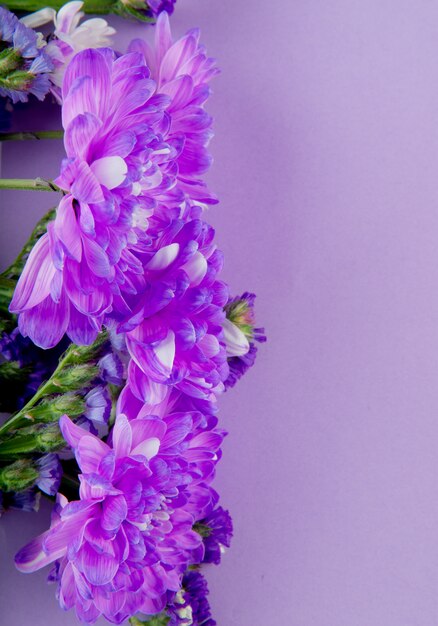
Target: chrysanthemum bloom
<point>240,334</point>
<point>200,448</point>
<point>174,333</point>
<point>190,606</point>
<point>126,543</point>
<point>69,36</point>
<point>182,71</point>
<point>116,164</point>
<point>24,65</point>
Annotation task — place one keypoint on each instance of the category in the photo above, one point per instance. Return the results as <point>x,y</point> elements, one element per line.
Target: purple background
<point>326,155</point>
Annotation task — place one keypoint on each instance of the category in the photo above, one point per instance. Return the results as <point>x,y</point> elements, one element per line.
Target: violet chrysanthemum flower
<point>174,333</point>
<point>190,606</point>
<point>240,333</point>
<point>69,37</point>
<point>200,448</point>
<point>123,547</point>
<point>117,163</point>
<point>24,65</point>
<point>182,71</point>
<point>216,529</point>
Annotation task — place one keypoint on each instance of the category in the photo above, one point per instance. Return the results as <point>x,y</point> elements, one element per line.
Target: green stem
<point>43,134</point>
<point>33,184</point>
<point>74,355</point>
<point>90,6</point>
<point>20,417</point>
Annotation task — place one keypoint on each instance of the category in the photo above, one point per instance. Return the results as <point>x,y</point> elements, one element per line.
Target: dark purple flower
<point>111,369</point>
<point>98,405</point>
<point>216,530</point>
<point>28,501</point>
<point>50,471</point>
<point>190,605</point>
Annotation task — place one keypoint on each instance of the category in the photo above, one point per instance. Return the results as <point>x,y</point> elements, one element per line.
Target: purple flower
<point>111,369</point>
<point>69,36</point>
<point>174,331</point>
<point>24,66</point>
<point>116,164</point>
<point>200,447</point>
<point>28,501</point>
<point>190,606</point>
<point>182,71</point>
<point>50,471</point>
<point>148,8</point>
<point>124,545</point>
<point>217,530</point>
<point>240,333</point>
<point>98,405</point>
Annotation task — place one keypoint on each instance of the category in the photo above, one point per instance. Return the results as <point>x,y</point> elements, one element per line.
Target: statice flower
<point>123,546</point>
<point>217,530</point>
<point>70,36</point>
<point>182,71</point>
<point>112,122</point>
<point>190,606</point>
<point>27,501</point>
<point>240,334</point>
<point>50,474</point>
<point>24,65</point>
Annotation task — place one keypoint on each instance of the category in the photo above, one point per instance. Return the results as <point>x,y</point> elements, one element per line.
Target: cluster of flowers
<point>32,64</point>
<point>129,254</point>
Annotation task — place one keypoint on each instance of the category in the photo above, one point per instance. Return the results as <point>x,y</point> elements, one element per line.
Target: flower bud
<point>18,476</point>
<point>73,378</point>
<point>49,438</point>
<point>10,60</point>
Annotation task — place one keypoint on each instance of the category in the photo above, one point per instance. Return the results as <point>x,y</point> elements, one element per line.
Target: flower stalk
<point>90,6</point>
<point>30,184</point>
<point>38,135</point>
<point>137,9</point>
<point>74,371</point>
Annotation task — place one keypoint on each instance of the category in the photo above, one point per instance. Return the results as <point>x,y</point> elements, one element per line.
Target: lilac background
<point>326,155</point>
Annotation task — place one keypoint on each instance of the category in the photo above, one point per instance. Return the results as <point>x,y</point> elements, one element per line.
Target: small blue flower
<point>24,65</point>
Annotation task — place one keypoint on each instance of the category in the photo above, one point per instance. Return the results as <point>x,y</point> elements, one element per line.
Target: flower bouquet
<point>118,335</point>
